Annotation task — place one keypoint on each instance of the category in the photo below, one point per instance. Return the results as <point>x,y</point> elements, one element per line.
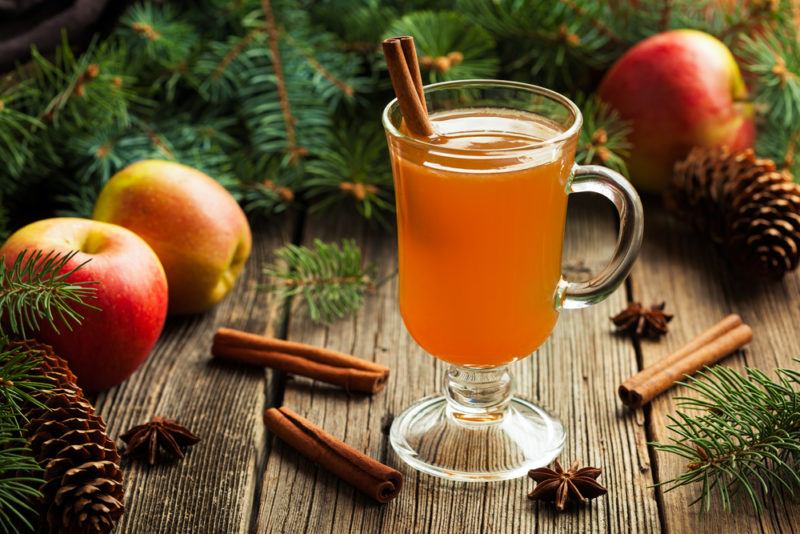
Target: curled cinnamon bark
<point>370,476</point>
<point>401,59</point>
<point>720,340</point>
<point>349,372</point>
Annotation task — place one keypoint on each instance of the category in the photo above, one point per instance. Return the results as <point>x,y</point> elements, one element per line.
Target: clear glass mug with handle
<point>481,209</point>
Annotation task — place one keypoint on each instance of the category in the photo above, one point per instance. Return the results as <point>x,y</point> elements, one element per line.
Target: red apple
<point>195,226</point>
<point>109,344</point>
<point>678,89</point>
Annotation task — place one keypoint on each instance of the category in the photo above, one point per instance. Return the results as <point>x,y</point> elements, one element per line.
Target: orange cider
<point>481,215</point>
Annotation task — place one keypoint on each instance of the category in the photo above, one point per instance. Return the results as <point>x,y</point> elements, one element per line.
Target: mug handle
<point>613,186</point>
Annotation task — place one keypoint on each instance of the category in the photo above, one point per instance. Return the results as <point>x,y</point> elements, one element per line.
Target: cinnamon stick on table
<point>722,339</point>
<point>349,372</point>
<point>377,480</point>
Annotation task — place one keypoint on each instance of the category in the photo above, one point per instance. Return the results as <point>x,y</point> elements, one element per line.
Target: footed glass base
<point>435,438</point>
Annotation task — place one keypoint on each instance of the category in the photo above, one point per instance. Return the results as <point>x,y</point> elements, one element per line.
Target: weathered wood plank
<point>212,489</point>
<point>575,375</point>
<point>683,269</point>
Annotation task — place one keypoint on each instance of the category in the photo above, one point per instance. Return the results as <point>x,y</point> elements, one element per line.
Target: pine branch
<point>355,168</point>
<point>19,482</point>
<point>359,25</point>
<point>314,63</point>
<point>16,129</point>
<point>293,149</point>
<point>266,186</point>
<point>18,383</point>
<point>780,144</point>
<point>596,23</point>
<point>775,60</point>
<point>81,91</point>
<point>564,46</point>
<point>745,438</point>
<point>20,474</point>
<point>156,34</point>
<point>731,21</point>
<point>35,289</point>
<point>225,65</point>
<point>604,136</point>
<point>234,52</point>
<point>329,276</point>
<point>449,46</point>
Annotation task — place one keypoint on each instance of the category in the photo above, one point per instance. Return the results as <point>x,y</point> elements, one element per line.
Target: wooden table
<point>239,479</point>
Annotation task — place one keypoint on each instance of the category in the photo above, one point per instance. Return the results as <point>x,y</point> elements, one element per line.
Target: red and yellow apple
<point>195,226</point>
<point>678,89</point>
<point>131,293</point>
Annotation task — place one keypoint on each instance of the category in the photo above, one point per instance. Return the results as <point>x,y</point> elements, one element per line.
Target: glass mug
<point>481,209</point>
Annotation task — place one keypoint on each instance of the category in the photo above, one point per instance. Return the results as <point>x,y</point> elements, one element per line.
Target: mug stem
<point>477,395</point>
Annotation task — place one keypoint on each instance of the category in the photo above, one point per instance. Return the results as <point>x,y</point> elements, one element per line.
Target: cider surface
<point>480,234</point>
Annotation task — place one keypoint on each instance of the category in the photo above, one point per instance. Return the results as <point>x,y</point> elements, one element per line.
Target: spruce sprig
<point>16,127</point>
<point>17,383</point>
<point>36,289</point>
<point>440,34</point>
<point>604,137</point>
<point>355,166</point>
<point>330,277</point>
<point>19,477</point>
<point>775,60</point>
<point>745,438</point>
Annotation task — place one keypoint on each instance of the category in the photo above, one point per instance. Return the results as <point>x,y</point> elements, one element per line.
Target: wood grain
<point>684,270</point>
<point>574,375</point>
<point>212,489</point>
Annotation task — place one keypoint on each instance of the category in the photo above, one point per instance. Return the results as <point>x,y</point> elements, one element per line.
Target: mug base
<point>432,441</point>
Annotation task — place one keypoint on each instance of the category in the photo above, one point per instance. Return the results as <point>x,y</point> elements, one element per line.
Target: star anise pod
<point>562,487</point>
<point>641,321</point>
<point>145,440</point>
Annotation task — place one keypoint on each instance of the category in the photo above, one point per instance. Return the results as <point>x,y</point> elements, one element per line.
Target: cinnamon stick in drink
<point>722,339</point>
<point>349,372</point>
<point>401,59</point>
<point>410,55</point>
<point>370,476</point>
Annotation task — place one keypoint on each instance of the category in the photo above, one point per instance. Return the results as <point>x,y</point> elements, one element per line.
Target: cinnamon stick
<point>725,325</point>
<point>410,55</point>
<point>401,59</point>
<point>349,372</point>
<point>370,476</point>
<point>722,339</point>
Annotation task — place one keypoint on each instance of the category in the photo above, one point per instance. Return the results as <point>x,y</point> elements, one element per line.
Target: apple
<point>111,343</point>
<point>195,226</point>
<point>678,89</point>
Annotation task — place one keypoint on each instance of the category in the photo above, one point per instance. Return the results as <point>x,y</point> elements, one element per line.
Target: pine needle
<point>438,34</point>
<point>775,60</point>
<point>35,289</point>
<point>354,168</point>
<point>19,480</point>
<point>604,136</point>
<point>330,278</point>
<point>743,439</point>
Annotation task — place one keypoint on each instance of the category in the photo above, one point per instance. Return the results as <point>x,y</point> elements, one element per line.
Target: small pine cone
<point>83,489</point>
<point>744,205</point>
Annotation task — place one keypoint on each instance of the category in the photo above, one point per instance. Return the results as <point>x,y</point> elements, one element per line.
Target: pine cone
<point>744,205</point>
<point>83,482</point>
